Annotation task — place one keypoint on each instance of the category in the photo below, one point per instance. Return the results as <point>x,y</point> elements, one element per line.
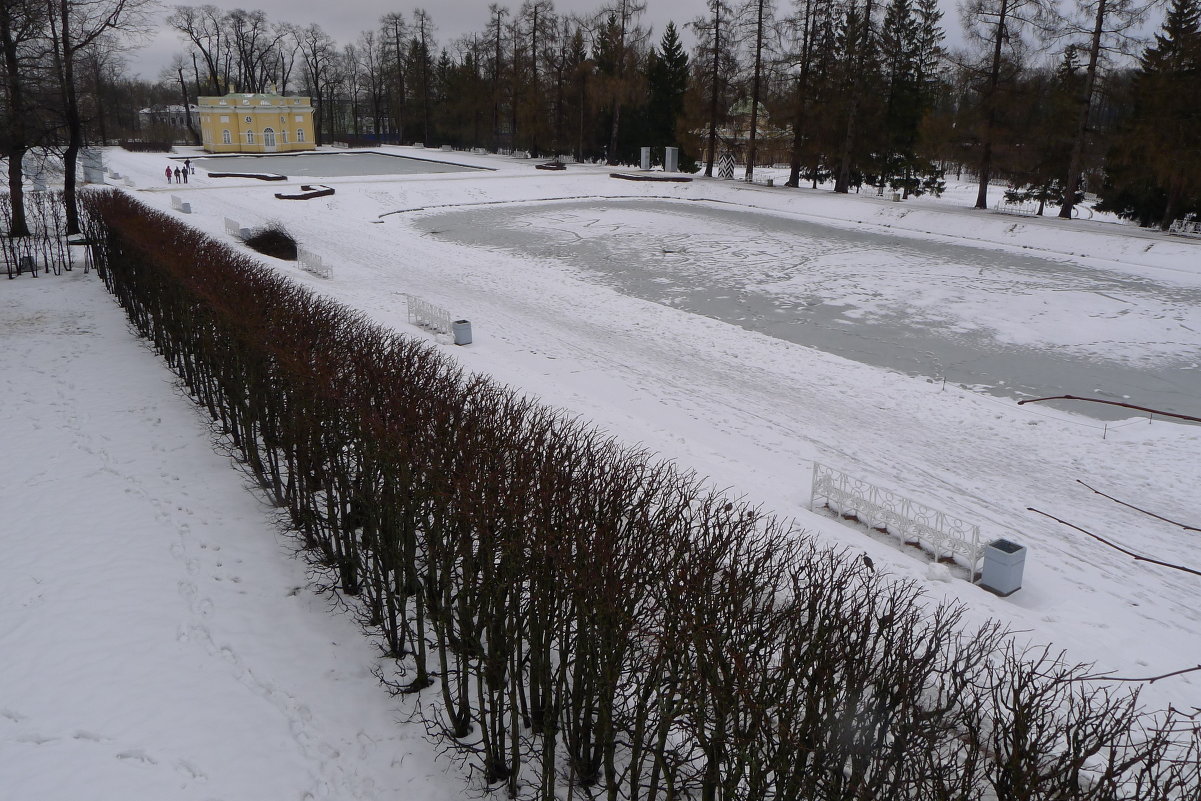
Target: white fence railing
<point>310,262</point>
<point>912,522</point>
<point>235,229</point>
<point>1023,208</point>
<point>427,315</point>
<point>1187,227</point>
<point>180,205</point>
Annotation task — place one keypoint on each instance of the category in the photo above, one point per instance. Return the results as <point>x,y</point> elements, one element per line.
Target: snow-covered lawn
<point>157,639</point>
<point>114,495</point>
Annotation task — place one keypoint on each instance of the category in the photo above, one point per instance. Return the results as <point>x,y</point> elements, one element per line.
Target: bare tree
<point>762,11</point>
<point>805,25</point>
<point>424,39</point>
<point>286,50</point>
<point>539,19</point>
<point>318,54</point>
<point>627,37</point>
<point>998,24</point>
<point>254,43</point>
<point>202,27</point>
<point>1112,20</point>
<point>76,25</point>
<point>175,71</point>
<point>495,35</point>
<point>715,34</point>
<point>393,32</point>
<point>21,26</point>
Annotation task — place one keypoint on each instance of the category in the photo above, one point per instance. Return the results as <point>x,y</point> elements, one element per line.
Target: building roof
<point>174,108</point>
<point>243,99</point>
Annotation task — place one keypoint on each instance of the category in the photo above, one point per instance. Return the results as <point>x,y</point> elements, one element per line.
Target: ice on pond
<point>1005,321</point>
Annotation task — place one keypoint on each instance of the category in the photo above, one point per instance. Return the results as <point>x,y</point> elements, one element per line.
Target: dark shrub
<point>273,240</point>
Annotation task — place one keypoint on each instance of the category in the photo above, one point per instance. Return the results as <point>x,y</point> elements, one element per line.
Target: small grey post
<point>462,332</point>
<point>646,158</point>
<point>1004,562</point>
<point>671,160</point>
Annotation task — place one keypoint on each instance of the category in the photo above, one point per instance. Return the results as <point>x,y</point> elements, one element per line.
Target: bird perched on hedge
<point>867,560</point>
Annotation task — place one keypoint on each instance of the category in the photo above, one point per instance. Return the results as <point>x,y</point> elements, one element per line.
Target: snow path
<point>156,639</point>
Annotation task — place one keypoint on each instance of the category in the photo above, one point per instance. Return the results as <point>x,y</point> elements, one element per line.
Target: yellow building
<point>256,123</point>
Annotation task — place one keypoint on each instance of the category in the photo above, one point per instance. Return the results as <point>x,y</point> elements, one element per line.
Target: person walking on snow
<point>168,173</point>
<point>177,175</point>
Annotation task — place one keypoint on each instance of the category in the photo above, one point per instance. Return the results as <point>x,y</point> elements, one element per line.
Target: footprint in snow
<point>138,755</point>
<point>36,739</point>
<point>189,770</point>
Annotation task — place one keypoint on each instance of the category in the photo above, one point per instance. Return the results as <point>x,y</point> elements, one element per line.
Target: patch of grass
<point>273,239</point>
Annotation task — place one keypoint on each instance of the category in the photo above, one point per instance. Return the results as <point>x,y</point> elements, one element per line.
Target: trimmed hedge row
<point>577,612</point>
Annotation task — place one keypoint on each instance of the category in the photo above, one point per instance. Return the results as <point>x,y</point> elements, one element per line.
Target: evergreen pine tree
<point>1154,169</point>
<point>1039,170</point>
<point>667,83</point>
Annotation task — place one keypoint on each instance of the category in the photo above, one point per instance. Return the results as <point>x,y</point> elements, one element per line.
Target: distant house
<point>256,123</point>
<point>169,117</point>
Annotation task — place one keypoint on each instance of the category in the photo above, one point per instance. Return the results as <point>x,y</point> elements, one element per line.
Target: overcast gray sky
<point>345,19</point>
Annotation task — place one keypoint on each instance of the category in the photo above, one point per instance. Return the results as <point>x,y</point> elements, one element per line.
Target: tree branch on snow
<point>1159,412</point>
<point>1184,526</point>
<point>1103,541</point>
<point>1147,679</point>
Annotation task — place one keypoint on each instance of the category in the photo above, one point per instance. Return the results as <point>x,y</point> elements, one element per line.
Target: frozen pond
<point>1007,323</point>
<point>328,165</point>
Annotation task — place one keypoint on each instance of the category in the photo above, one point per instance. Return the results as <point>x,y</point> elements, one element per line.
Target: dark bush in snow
<point>273,240</point>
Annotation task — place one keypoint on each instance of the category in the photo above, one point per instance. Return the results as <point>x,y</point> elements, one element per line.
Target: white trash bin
<point>1004,562</point>
<point>462,332</point>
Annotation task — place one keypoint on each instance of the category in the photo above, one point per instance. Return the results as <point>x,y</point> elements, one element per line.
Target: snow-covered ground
<point>207,668</point>
<point>157,640</point>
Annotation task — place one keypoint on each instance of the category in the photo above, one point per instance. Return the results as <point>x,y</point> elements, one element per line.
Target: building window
<point>269,137</point>
<point>283,137</point>
<point>300,134</point>
<point>226,139</point>
<point>250,137</point>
